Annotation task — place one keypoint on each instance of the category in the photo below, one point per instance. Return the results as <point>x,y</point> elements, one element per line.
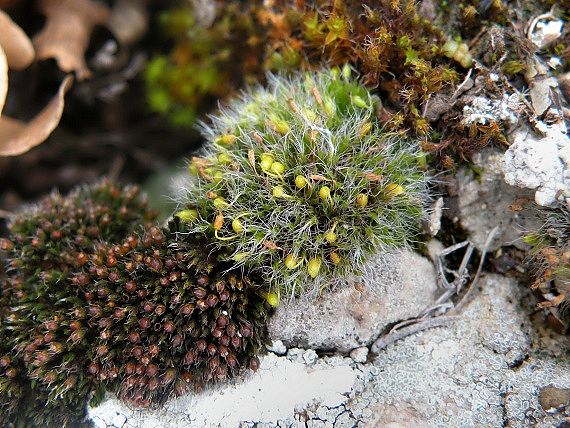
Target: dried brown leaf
<point>3,78</point>
<point>17,137</point>
<point>68,28</point>
<point>16,45</point>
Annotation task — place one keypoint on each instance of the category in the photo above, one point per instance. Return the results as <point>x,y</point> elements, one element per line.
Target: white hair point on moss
<point>319,177</point>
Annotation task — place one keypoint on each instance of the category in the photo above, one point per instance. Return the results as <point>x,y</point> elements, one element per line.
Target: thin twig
<point>388,339</point>
<point>409,327</point>
<point>534,22</point>
<point>469,291</point>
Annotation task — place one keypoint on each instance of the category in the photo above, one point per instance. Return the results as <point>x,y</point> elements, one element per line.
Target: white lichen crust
<point>540,162</point>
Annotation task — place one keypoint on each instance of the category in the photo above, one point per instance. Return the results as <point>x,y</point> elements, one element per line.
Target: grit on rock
<point>483,370</point>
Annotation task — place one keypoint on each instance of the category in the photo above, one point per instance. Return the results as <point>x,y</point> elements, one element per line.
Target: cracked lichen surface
<point>483,370</point>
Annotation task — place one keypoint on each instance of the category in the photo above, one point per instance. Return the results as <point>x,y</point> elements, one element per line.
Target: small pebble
<point>295,354</point>
<point>359,355</point>
<point>277,347</point>
<point>310,356</point>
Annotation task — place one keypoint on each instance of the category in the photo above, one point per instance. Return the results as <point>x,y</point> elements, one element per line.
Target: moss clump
<point>48,243</point>
<point>207,61</point>
<point>387,41</point>
<point>550,263</point>
<point>301,182</point>
<point>97,299</point>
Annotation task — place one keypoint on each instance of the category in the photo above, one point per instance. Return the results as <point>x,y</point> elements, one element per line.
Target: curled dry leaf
<point>128,20</point>
<point>3,78</point>
<point>65,37</point>
<point>17,137</point>
<point>16,45</point>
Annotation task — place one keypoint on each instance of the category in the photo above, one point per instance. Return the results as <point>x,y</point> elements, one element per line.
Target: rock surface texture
<point>358,310</point>
<point>486,201</point>
<point>482,370</point>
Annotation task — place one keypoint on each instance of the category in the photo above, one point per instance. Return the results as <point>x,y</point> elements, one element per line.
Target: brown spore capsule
<point>144,323</point>
<point>130,286</point>
<point>137,351</point>
<point>93,368</point>
<point>212,349</point>
<point>254,363</point>
<point>200,292</point>
<point>212,300</point>
<point>187,309</point>
<point>168,326</point>
<point>202,280</point>
<point>201,345</point>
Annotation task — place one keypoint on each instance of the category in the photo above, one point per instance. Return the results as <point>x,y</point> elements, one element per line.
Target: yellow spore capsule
<point>266,160</point>
<point>300,182</point>
<point>290,261</point>
<point>187,216</point>
<point>314,266</point>
<point>449,48</point>
<point>392,190</point>
<point>346,71</point>
<point>220,202</point>
<point>239,257</point>
<point>226,139</point>
<point>193,169</point>
<point>273,299</point>
<point>280,126</point>
<point>361,200</point>
<point>277,168</point>
<point>279,192</point>
<point>237,226</point>
<point>325,193</point>
<point>330,237</point>
<point>329,106</point>
<point>218,176</point>
<point>310,115</point>
<point>358,101</point>
<point>224,158</point>
<point>364,129</point>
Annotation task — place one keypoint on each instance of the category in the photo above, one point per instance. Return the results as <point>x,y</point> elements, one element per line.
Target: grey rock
<point>393,287</point>
<point>480,371</point>
<point>487,201</point>
<point>540,162</point>
<point>484,110</point>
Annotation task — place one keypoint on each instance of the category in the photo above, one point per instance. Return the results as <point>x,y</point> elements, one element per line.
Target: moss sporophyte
<point>99,299</point>
<point>311,182</point>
